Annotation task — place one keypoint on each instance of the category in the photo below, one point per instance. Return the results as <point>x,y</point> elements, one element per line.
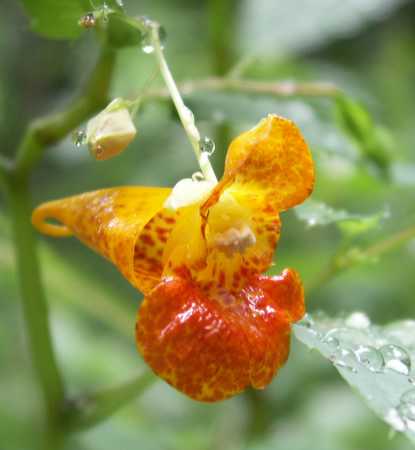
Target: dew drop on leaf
<point>306,322</point>
<point>331,342</point>
<point>394,419</point>
<point>407,411</point>
<point>345,359</point>
<point>408,397</point>
<point>358,320</point>
<point>370,358</point>
<point>396,358</point>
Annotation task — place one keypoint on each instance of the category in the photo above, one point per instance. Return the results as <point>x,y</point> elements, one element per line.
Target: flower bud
<point>110,132</point>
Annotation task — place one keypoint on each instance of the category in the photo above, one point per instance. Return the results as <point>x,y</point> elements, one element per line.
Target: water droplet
<point>369,357</point>
<point>411,380</point>
<point>79,138</point>
<point>146,35</point>
<point>407,411</point>
<point>394,419</point>
<point>358,320</point>
<point>146,43</point>
<point>396,358</point>
<point>306,322</point>
<point>345,359</point>
<point>331,342</point>
<point>408,397</point>
<point>87,21</point>
<point>207,146</point>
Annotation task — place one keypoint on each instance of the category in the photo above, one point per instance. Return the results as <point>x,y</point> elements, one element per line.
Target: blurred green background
<point>367,49</point>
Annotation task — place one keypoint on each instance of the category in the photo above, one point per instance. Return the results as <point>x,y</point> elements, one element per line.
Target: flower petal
<point>268,169</point>
<point>126,225</point>
<point>210,349</point>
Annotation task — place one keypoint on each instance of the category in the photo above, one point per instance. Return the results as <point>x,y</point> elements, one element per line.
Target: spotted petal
<point>268,169</point>
<point>127,225</point>
<point>211,350</point>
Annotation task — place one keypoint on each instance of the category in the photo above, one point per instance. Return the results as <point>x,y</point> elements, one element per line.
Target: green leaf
<point>58,19</point>
<point>121,33</point>
<point>375,361</point>
<point>374,142</point>
<point>316,213</point>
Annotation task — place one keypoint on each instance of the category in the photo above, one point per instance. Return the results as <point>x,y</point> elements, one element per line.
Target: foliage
<point>375,361</point>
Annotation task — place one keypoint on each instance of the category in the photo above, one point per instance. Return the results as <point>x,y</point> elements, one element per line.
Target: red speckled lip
<point>210,350</point>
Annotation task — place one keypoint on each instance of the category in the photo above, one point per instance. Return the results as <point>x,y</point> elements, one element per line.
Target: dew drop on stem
<point>79,138</point>
<point>207,146</point>
<point>147,45</point>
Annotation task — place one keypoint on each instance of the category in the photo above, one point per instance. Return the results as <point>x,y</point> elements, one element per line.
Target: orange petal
<point>211,350</point>
<point>268,169</point>
<point>126,225</point>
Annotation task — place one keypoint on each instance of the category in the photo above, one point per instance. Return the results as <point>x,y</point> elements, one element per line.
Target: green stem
<point>277,89</point>
<point>47,131</point>
<point>391,243</point>
<point>15,179</point>
<point>88,410</point>
<point>5,167</point>
<point>35,310</point>
<point>221,19</point>
<point>259,415</point>
<point>351,257</point>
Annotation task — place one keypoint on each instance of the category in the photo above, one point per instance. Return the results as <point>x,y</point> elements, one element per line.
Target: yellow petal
<point>127,225</point>
<point>268,169</point>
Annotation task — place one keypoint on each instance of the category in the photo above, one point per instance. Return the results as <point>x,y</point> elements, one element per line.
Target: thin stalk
<point>15,177</point>
<point>221,17</point>
<point>279,89</point>
<point>47,131</point>
<point>185,115</point>
<point>35,310</point>
<point>341,262</point>
<point>88,410</point>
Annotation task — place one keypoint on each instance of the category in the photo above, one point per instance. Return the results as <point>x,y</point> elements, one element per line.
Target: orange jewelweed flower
<point>210,324</point>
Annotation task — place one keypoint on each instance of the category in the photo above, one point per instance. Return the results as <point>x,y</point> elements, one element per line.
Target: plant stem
<point>185,115</point>
<point>221,20</point>
<point>90,409</point>
<point>46,131</point>
<point>15,179</point>
<point>351,257</point>
<point>268,88</point>
<point>35,310</point>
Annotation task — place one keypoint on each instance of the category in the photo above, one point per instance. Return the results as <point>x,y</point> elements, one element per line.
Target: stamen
<point>235,240</point>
